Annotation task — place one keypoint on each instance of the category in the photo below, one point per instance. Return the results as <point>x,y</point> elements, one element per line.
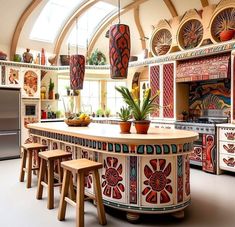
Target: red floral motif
<point>112,180</point>
<point>230,135</point>
<point>230,148</point>
<point>157,181</point>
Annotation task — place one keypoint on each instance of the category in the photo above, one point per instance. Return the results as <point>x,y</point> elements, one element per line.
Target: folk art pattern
<point>158,188</point>
<point>168,90</point>
<point>122,187</point>
<point>144,149</point>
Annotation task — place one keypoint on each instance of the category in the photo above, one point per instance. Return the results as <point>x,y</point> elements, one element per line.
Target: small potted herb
<point>51,89</point>
<point>125,115</point>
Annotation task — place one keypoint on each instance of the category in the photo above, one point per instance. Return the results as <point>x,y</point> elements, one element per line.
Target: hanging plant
<point>97,58</point>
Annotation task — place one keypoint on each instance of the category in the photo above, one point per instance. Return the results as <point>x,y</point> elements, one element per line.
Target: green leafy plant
<point>139,110</point>
<point>97,58</point>
<point>100,112</point>
<point>107,112</point>
<point>124,114</point>
<point>51,85</point>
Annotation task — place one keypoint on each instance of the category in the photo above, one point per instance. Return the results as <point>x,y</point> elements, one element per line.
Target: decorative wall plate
<point>224,20</point>
<point>190,34</point>
<point>161,42</point>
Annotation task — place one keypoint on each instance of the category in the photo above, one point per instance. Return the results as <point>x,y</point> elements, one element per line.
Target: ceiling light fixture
<point>77,67</point>
<point>119,49</point>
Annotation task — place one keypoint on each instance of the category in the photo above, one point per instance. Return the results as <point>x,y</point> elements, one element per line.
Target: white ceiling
<point>150,13</point>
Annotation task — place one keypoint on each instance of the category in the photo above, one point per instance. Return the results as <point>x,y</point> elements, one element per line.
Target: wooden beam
<point>108,22</point>
<point>171,8</point>
<point>24,16</point>
<point>85,6</point>
<point>204,3</point>
<point>139,27</point>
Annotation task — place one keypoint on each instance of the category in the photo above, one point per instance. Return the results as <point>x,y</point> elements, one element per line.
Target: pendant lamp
<point>119,49</point>
<point>77,68</point>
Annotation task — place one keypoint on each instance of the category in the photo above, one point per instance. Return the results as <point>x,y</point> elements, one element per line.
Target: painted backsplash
<point>210,95</point>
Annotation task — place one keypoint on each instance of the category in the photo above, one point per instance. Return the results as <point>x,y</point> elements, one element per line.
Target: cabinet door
<point>168,90</point>
<point>155,85</point>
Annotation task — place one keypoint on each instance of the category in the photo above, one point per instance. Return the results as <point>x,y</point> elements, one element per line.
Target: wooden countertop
<point>111,133</point>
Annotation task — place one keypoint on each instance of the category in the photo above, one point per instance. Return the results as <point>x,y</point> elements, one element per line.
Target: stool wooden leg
<point>50,201</point>
<point>41,178</point>
<point>29,169</point>
<point>72,194</point>
<point>23,164</point>
<point>98,195</point>
<point>80,200</point>
<point>60,171</point>
<point>64,193</point>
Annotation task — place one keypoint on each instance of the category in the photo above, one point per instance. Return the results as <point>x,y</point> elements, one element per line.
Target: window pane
<point>50,20</point>
<point>86,24</point>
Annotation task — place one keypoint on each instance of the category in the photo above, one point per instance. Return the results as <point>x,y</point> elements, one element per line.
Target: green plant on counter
<point>51,85</point>
<point>139,110</point>
<point>97,58</point>
<point>107,112</point>
<point>100,112</point>
<point>124,114</point>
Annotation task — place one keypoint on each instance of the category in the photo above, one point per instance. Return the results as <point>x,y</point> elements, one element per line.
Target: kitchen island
<point>141,173</point>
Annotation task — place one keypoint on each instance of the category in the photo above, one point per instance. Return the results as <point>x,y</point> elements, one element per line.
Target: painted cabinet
<point>162,78</point>
<point>226,146</point>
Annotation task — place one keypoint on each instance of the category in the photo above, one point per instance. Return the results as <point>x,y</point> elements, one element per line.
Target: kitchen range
<point>205,148</point>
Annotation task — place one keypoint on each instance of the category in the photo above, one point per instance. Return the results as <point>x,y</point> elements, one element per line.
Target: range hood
<point>207,68</point>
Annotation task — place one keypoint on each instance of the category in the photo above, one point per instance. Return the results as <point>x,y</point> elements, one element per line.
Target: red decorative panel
<point>196,154</point>
<point>157,184</point>
<point>155,85</point>
<point>209,153</point>
<point>212,67</point>
<point>168,90</point>
<point>233,88</point>
<point>187,176</point>
<point>112,178</point>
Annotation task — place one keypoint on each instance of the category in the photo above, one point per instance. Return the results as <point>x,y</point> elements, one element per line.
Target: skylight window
<point>51,19</point>
<point>88,22</point>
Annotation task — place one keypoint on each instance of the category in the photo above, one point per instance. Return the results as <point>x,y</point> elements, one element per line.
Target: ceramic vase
<point>27,56</point>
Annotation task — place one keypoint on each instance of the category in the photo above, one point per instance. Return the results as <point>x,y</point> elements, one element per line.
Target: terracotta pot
<point>142,126</point>
<point>125,126</point>
<point>226,35</point>
<point>50,94</point>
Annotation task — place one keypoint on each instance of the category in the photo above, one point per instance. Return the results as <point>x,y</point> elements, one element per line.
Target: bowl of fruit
<point>81,120</point>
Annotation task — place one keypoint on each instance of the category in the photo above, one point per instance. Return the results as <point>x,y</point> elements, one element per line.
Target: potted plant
<point>139,110</point>
<point>97,58</point>
<point>107,112</point>
<point>51,88</point>
<point>68,90</point>
<point>125,115</point>
<point>100,113</point>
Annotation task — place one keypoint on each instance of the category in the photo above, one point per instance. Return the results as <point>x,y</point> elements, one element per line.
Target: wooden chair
<point>48,159</point>
<point>27,156</point>
<point>81,167</point>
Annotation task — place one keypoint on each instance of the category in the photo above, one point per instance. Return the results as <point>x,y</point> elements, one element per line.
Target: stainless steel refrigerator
<point>9,123</point>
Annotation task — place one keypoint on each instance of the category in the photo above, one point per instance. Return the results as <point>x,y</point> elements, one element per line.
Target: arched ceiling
<point>141,18</point>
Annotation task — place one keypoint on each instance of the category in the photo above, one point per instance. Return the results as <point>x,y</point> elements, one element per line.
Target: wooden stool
<point>80,166</point>
<point>48,158</point>
<point>28,153</point>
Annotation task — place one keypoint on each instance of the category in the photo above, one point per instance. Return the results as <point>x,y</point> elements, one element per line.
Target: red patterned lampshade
<point>77,71</point>
<point>119,50</point>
